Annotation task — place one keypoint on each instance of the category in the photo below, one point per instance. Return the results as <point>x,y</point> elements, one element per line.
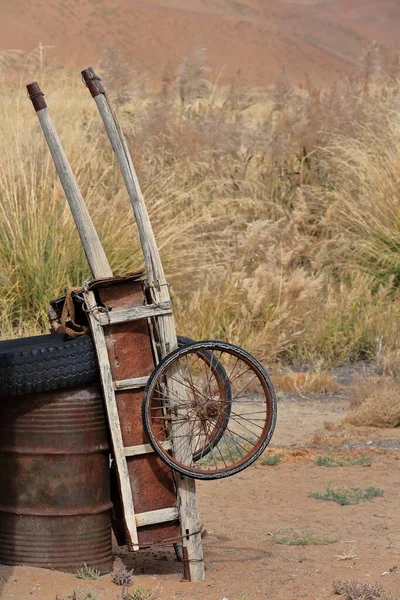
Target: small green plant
<point>87,572</point>
<point>342,461</point>
<point>346,496</point>
<point>227,449</point>
<point>140,593</point>
<point>304,539</point>
<point>271,460</point>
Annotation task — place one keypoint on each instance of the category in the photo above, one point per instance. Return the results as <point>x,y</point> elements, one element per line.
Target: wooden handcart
<point>206,410</point>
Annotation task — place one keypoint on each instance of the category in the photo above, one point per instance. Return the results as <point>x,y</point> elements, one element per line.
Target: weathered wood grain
<point>90,240</point>
<point>133,314</point>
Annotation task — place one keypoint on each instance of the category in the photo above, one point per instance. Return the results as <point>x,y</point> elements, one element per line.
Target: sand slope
<point>321,38</point>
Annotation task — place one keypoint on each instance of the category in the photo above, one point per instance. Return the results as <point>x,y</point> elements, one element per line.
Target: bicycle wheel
<point>185,410</point>
<point>219,371</point>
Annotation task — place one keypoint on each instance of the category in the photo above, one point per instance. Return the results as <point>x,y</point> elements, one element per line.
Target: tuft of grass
<point>355,590</point>
<point>140,593</point>
<point>271,460</point>
<point>342,461</point>
<point>87,572</point>
<point>347,555</point>
<point>303,539</point>
<point>347,496</point>
<point>80,594</point>
<point>123,577</point>
<point>226,449</point>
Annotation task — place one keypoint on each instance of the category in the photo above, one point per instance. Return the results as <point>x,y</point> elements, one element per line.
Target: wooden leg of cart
<point>186,489</point>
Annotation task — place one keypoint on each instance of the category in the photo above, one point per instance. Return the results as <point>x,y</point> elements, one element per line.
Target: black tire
<point>46,363</point>
<point>158,373</point>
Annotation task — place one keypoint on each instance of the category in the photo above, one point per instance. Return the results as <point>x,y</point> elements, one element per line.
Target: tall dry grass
<point>276,210</point>
<point>375,402</point>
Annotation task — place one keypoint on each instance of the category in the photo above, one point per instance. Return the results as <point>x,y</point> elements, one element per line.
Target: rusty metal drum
<point>55,509</point>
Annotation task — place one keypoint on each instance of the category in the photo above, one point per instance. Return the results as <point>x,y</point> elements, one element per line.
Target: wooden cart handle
<point>90,240</point>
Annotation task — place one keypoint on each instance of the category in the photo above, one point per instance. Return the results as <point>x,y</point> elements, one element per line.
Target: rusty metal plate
<point>130,353</point>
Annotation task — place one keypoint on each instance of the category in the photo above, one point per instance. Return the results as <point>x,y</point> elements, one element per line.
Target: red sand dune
<point>320,38</point>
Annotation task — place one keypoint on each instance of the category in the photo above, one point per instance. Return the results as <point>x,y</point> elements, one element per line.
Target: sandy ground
<point>246,514</point>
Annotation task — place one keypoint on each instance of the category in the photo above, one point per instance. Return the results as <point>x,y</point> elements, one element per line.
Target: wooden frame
<point>160,310</point>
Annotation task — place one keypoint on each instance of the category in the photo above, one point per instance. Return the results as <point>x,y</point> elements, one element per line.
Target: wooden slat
<point>157,516</point>
<point>113,420</point>
<point>138,450</point>
<point>142,449</point>
<point>130,384</point>
<point>133,314</point>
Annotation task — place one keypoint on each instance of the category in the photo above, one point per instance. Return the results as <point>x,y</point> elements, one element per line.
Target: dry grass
<point>275,210</point>
<point>347,555</point>
<point>375,403</point>
<point>355,590</point>
<point>305,383</point>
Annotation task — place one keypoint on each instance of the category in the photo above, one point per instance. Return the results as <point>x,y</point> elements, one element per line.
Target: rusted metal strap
<point>176,539</point>
<point>68,324</point>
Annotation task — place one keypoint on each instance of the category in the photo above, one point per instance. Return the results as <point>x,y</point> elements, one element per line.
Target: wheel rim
<point>203,424</point>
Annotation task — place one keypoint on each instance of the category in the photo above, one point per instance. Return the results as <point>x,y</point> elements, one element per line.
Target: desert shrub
<point>123,577</point>
<point>356,590</point>
<point>375,402</point>
<point>270,460</point>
